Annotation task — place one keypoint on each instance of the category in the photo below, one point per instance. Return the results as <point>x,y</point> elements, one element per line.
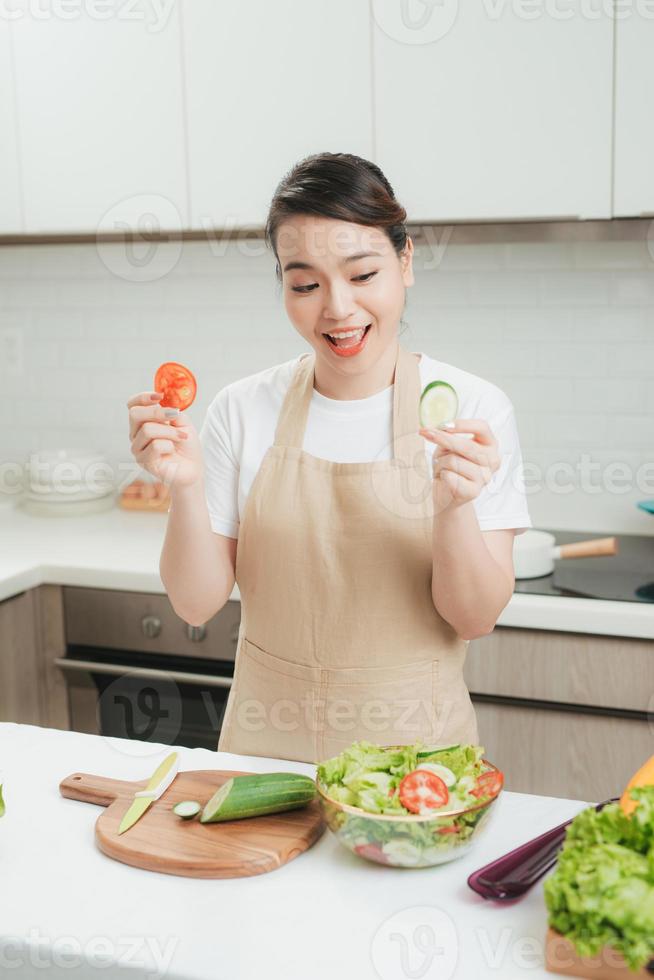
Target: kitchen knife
<point>159,782</point>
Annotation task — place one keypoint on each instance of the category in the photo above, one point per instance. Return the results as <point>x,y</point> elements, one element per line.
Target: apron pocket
<point>383,705</point>
<point>273,706</point>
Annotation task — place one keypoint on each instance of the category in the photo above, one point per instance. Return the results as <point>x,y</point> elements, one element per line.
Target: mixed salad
<point>408,780</point>
<point>602,891</point>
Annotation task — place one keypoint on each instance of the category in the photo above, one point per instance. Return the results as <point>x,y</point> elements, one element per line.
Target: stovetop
<point>627,576</point>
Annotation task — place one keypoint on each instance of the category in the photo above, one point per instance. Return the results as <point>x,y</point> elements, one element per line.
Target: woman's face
<point>339,277</point>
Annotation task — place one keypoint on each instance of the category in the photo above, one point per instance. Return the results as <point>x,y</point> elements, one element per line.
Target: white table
<point>327,914</point>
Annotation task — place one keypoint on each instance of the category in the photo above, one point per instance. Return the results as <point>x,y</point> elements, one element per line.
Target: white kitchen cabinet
<point>99,101</point>
<point>493,111</point>
<point>11,211</point>
<point>634,112</point>
<point>268,83</point>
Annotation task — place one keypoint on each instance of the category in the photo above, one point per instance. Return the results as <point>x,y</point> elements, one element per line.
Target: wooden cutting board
<point>162,841</point>
<point>561,957</point>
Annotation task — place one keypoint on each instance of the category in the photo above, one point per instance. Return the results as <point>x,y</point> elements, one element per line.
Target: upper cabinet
<point>494,111</point>
<point>99,102</point>
<point>267,83</point>
<point>634,115</point>
<point>186,114</point>
<point>11,209</point>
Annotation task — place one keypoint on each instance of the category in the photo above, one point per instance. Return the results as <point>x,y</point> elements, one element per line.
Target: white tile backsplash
<point>566,329</point>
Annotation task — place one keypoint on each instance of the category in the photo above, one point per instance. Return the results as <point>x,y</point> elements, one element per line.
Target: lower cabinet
<point>562,753</point>
<point>32,689</point>
<point>563,714</point>
<point>20,680</point>
<point>66,654</point>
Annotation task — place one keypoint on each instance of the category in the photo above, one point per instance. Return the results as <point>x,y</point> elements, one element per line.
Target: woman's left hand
<point>462,466</point>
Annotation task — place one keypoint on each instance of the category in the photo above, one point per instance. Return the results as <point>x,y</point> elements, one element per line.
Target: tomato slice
<point>488,784</point>
<point>452,829</point>
<point>373,852</point>
<point>178,385</point>
<point>422,789</point>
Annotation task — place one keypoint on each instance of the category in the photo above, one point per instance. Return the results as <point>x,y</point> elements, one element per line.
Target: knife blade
<point>158,783</point>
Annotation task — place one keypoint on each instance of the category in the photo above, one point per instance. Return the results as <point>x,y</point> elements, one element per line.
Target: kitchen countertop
<point>327,913</point>
<point>120,549</point>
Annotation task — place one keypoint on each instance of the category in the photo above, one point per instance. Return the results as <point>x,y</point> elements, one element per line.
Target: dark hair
<point>341,186</point>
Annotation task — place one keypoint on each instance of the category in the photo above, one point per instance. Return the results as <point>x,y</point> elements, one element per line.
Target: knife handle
<point>101,790</point>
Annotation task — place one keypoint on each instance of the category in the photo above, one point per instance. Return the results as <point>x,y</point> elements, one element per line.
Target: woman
<point>370,550</point>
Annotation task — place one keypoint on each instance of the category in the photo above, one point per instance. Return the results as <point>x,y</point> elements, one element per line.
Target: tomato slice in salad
<point>373,852</point>
<point>178,385</point>
<point>421,790</point>
<point>488,784</point>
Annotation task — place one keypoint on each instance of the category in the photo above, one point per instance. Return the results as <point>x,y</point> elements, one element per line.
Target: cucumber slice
<point>443,772</point>
<point>437,748</point>
<point>187,809</point>
<point>438,404</point>
<point>257,794</point>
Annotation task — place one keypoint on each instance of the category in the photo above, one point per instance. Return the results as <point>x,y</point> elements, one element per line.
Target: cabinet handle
<point>153,673</point>
<point>151,626</point>
<point>196,633</point>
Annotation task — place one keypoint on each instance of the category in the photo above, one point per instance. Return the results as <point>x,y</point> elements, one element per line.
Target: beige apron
<point>339,638</point>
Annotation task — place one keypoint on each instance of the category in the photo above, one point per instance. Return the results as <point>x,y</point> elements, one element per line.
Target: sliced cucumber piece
<point>438,404</point>
<point>444,772</point>
<point>436,748</point>
<point>257,794</point>
<point>187,809</point>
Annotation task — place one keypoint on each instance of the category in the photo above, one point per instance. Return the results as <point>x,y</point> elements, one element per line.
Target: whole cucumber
<point>257,794</point>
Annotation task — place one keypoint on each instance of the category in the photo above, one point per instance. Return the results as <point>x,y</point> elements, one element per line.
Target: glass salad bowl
<point>412,840</point>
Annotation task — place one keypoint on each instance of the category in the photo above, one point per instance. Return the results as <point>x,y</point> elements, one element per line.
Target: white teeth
<point>341,335</point>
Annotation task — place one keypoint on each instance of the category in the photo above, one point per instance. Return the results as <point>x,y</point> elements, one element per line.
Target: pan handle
<point>588,549</point>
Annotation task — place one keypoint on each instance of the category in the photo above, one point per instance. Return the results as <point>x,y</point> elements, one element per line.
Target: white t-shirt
<point>241,420</point>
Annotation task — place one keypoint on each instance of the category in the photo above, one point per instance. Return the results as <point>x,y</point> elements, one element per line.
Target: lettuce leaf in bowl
<point>367,776</point>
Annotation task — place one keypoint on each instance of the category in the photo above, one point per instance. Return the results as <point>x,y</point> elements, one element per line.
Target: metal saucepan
<point>534,552</point>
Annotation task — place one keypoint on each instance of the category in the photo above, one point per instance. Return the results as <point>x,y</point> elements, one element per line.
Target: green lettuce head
<point>602,891</point>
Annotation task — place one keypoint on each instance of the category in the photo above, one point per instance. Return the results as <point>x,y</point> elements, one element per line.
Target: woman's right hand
<point>169,449</point>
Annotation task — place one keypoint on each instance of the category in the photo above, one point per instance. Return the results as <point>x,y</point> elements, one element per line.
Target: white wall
<point>566,329</point>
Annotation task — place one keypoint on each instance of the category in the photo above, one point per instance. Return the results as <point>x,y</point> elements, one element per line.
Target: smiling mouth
<point>348,338</point>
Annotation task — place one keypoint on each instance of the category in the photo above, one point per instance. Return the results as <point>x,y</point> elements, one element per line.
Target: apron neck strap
<point>408,444</point>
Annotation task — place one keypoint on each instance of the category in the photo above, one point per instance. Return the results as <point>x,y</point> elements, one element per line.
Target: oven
<point>135,670</point>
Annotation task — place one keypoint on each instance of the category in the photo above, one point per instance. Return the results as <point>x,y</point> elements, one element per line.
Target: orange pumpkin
<point>644,777</point>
